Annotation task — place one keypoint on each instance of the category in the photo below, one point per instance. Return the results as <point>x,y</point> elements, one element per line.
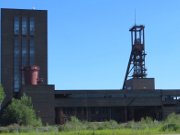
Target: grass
<point>146,126</point>
<point>124,131</point>
<point>120,131</point>
<point>91,132</point>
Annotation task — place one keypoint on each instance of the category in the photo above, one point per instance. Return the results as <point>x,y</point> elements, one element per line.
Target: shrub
<point>21,111</point>
<point>2,94</point>
<point>73,124</point>
<point>76,124</point>
<point>171,123</point>
<point>173,119</point>
<point>107,125</point>
<point>146,122</point>
<point>169,127</point>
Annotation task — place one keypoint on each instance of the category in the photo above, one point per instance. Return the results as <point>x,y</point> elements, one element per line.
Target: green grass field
<point>146,126</point>
<point>93,132</point>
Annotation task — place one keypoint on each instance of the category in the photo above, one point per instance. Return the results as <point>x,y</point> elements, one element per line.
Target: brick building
<point>23,42</point>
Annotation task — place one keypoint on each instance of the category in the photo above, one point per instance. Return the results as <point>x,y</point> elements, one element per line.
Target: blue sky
<point>89,40</point>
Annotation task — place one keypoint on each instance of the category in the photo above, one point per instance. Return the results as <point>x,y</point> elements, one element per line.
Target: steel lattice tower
<point>136,65</point>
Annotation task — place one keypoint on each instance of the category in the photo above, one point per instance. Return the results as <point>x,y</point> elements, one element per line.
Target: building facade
<point>118,105</point>
<point>23,42</point>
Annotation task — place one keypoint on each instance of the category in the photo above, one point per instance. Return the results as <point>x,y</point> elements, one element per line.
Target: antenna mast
<point>135,17</point>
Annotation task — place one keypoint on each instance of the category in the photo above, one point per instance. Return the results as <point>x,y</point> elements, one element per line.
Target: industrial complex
<point>23,69</point>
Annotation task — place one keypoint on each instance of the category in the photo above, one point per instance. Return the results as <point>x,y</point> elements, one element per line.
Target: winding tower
<point>136,70</point>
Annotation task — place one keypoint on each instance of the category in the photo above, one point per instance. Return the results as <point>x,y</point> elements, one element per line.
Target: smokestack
<point>31,75</point>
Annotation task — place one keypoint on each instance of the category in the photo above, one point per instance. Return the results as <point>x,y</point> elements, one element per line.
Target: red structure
<point>31,75</point>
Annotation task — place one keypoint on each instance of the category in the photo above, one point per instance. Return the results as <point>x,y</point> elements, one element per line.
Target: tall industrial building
<point>23,42</point>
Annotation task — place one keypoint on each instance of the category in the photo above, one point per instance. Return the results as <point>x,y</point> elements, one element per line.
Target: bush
<point>21,111</point>
<point>173,119</point>
<point>171,123</point>
<point>2,94</point>
<point>129,124</point>
<point>76,124</point>
<point>146,122</point>
<point>107,125</point>
<point>72,124</point>
<point>169,127</point>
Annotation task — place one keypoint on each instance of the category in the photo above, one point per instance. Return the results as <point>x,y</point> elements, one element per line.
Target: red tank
<point>31,75</point>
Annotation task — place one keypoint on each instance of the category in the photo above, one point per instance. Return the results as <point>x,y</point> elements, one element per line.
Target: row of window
<point>26,24</point>
<point>24,52</point>
<point>16,65</point>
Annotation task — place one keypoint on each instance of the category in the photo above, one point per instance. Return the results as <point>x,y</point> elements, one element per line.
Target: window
<point>32,26</point>
<point>24,56</point>
<point>24,25</point>
<point>16,81</point>
<point>16,65</point>
<point>24,51</point>
<point>16,25</point>
<point>31,51</point>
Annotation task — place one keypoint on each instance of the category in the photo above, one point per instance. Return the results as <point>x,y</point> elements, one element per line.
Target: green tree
<point>2,94</point>
<point>21,111</point>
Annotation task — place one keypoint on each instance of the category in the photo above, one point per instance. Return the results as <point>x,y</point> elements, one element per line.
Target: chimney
<point>31,75</point>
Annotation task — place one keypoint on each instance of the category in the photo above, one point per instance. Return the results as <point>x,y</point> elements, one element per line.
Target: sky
<point>89,41</point>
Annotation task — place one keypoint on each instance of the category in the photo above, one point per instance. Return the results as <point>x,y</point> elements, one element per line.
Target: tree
<point>21,111</point>
<point>2,94</point>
